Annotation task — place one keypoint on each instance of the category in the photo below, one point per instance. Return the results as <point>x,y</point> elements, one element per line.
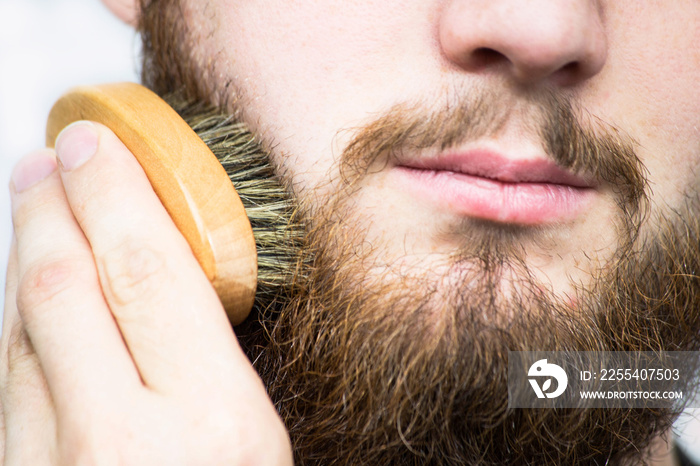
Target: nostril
<point>571,68</point>
<point>484,57</point>
<point>568,73</point>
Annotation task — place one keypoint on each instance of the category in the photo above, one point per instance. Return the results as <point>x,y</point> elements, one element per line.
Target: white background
<point>47,46</point>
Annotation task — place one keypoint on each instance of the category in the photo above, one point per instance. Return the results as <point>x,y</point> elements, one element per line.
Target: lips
<point>488,186</point>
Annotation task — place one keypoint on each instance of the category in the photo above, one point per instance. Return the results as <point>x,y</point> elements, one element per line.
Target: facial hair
<point>363,372</point>
<point>366,369</point>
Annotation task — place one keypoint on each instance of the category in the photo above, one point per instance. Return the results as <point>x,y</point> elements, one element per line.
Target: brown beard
<point>367,371</point>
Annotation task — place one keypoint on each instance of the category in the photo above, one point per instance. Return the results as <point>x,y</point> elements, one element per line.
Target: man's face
<point>479,176</point>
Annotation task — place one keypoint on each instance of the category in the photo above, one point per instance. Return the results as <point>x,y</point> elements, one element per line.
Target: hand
<point>115,348</point>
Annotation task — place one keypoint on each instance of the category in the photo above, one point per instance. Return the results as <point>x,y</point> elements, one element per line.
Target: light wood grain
<point>186,176</point>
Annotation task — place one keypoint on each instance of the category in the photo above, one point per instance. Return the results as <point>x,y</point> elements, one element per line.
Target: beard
<point>403,366</point>
<point>377,361</point>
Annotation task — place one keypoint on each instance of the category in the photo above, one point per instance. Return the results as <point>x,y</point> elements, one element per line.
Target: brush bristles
<point>269,206</point>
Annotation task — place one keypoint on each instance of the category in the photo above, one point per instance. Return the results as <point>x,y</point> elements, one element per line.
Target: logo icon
<point>542,369</point>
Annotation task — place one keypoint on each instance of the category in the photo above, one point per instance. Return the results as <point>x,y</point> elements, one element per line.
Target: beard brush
<point>213,178</point>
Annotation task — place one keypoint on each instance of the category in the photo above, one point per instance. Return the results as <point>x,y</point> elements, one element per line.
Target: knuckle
<point>20,352</point>
<point>42,283</point>
<point>132,271</point>
<point>21,366</point>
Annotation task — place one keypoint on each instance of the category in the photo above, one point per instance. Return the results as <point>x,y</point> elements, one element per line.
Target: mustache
<point>570,137</point>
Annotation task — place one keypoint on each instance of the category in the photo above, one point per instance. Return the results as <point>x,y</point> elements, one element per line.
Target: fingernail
<point>76,144</point>
<point>33,168</point>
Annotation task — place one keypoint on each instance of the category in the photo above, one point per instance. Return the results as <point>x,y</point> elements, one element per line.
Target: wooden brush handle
<point>186,176</point>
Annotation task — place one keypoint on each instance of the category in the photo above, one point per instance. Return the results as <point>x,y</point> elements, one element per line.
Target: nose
<point>561,41</point>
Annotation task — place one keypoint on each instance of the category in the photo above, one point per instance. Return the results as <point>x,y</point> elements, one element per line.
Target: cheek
<point>306,69</point>
<point>651,90</point>
<point>670,140</point>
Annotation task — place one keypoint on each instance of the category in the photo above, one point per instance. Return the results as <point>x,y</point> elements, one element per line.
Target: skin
<point>66,368</point>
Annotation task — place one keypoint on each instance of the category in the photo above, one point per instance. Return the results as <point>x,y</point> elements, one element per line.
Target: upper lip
<point>494,166</point>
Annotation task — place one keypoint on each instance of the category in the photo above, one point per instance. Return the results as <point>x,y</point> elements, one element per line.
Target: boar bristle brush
<point>213,178</point>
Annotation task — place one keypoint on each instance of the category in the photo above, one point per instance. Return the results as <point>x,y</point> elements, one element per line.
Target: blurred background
<point>48,46</point>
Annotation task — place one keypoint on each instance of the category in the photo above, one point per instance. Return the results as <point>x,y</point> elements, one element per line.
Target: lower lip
<point>487,199</point>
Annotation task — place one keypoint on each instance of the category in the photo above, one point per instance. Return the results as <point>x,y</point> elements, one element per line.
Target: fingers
<point>58,293</point>
<point>28,416</point>
<point>167,311</point>
<point>103,295</point>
